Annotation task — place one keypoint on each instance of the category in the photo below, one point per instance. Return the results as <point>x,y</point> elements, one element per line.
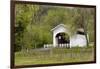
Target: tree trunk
<point>87,41</point>
<point>85,27</point>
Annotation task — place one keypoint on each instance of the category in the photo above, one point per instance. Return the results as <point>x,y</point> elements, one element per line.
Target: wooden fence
<point>59,45</point>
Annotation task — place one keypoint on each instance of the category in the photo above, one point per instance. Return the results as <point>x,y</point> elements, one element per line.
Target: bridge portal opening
<point>63,39</point>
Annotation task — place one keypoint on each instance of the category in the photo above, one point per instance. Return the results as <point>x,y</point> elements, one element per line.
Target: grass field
<point>54,55</point>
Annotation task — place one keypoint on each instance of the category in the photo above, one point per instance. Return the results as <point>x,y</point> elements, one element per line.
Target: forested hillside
<point>34,22</point>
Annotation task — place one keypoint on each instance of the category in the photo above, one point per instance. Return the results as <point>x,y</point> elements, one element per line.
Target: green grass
<point>55,55</point>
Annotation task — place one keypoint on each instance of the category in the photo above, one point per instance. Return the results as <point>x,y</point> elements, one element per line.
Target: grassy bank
<point>54,55</point>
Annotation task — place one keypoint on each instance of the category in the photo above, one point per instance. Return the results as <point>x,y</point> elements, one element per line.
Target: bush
<point>17,48</point>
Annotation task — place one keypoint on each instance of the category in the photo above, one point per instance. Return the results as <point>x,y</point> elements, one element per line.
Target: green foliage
<point>34,22</point>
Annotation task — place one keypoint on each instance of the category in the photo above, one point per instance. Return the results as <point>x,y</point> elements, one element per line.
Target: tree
<point>23,17</point>
<point>82,20</point>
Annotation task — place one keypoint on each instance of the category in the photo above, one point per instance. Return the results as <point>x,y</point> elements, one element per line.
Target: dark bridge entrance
<point>63,39</point>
